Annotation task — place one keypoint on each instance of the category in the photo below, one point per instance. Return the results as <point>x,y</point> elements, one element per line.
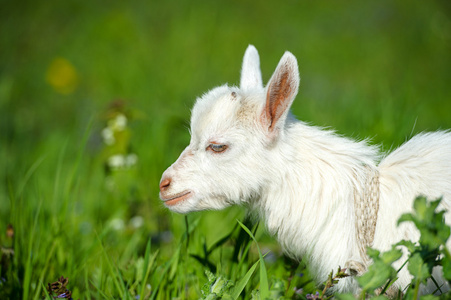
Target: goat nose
<point>164,184</point>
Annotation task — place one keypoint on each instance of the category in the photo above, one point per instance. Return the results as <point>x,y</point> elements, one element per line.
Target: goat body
<point>246,148</point>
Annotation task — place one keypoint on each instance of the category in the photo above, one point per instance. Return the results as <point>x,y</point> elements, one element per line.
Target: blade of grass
<point>160,279</point>
<point>46,294</point>
<point>148,263</point>
<point>28,175</point>
<point>240,252</point>
<point>264,286</point>
<point>86,277</point>
<point>175,263</point>
<point>82,146</point>
<point>242,260</point>
<point>222,241</point>
<point>58,172</point>
<point>44,271</point>
<point>243,239</point>
<point>28,266</point>
<point>243,281</point>
<point>104,296</point>
<point>130,249</point>
<point>189,228</point>
<point>120,286</point>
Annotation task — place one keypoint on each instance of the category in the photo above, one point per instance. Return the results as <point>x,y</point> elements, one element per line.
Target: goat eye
<point>217,148</point>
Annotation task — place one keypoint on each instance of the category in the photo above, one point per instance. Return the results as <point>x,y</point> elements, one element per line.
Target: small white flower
<point>116,161</point>
<point>131,160</point>
<point>119,123</point>
<point>137,221</point>
<point>108,136</point>
<point>117,224</point>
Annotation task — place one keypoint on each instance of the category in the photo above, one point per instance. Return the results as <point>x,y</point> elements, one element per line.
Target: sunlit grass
<point>380,70</point>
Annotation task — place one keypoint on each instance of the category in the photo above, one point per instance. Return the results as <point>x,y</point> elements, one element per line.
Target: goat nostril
<point>164,185</point>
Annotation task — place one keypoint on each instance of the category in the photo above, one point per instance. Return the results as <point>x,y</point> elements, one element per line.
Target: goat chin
<point>304,181</point>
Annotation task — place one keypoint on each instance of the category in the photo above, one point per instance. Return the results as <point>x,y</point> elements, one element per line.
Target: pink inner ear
<point>277,98</point>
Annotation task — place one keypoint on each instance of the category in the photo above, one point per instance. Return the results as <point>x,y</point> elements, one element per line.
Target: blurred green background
<point>378,69</point>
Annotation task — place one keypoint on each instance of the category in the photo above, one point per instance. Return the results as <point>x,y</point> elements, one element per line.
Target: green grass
<point>378,70</point>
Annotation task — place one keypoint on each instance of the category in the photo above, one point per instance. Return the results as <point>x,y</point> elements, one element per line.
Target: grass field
<point>79,182</point>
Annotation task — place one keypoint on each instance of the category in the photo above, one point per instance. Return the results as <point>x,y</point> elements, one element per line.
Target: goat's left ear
<point>251,76</point>
<point>281,90</point>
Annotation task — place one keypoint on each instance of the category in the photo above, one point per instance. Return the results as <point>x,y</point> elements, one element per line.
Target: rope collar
<point>366,206</point>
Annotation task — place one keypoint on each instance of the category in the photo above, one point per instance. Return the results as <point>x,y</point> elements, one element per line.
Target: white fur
<point>301,179</point>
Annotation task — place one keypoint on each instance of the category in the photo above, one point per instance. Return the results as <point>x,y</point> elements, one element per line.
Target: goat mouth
<point>173,200</point>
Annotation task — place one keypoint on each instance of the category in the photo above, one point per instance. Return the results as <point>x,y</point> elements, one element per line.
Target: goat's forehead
<point>224,110</point>
<point>216,110</point>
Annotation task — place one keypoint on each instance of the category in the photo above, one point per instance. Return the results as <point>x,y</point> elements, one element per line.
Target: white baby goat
<point>324,196</point>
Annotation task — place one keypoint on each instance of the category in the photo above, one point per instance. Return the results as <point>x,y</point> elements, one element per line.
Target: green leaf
<point>380,297</point>
<point>347,296</point>
<point>420,207</point>
<point>373,253</point>
<point>411,247</point>
<point>418,268</point>
<point>406,218</point>
<point>377,275</point>
<point>381,270</point>
<point>391,256</point>
<point>429,297</point>
<point>446,263</point>
<point>430,222</point>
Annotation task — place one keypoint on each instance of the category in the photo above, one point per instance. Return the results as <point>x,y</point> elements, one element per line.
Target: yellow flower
<point>62,76</point>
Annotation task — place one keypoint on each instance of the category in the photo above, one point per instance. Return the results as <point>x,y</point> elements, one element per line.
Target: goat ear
<point>251,76</point>
<point>281,90</point>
